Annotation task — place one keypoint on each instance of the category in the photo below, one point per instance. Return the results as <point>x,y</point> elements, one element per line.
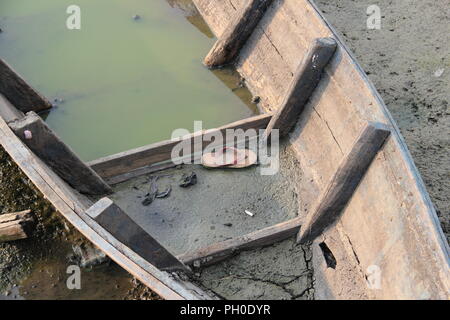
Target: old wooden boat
<point>364,204</point>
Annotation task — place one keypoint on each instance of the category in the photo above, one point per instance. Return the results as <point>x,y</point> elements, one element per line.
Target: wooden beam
<point>344,182</point>
<point>236,34</point>
<point>66,201</point>
<point>223,250</point>
<point>8,112</point>
<point>302,86</point>
<point>128,161</point>
<point>128,232</point>
<point>18,92</point>
<point>15,226</point>
<point>47,146</point>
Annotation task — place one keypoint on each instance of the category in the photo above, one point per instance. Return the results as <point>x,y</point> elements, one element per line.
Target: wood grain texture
<point>302,86</point>
<point>227,48</point>
<point>225,249</point>
<point>128,232</point>
<point>342,103</point>
<point>72,206</point>
<point>18,92</point>
<point>47,146</point>
<point>16,226</point>
<point>131,160</point>
<point>342,186</point>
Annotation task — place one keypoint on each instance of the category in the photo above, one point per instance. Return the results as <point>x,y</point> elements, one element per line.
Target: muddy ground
<point>409,62</point>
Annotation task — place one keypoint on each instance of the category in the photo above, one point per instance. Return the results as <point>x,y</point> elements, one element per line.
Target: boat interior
<point>345,197</point>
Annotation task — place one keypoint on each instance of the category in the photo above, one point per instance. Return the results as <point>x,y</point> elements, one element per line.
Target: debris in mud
<point>188,180</point>
<point>164,194</point>
<point>16,226</point>
<point>86,256</point>
<point>251,214</point>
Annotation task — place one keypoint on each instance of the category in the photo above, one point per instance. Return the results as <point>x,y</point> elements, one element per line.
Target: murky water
<point>123,82</point>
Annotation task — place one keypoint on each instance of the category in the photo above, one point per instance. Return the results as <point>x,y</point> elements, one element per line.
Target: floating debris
<point>136,17</point>
<point>188,180</point>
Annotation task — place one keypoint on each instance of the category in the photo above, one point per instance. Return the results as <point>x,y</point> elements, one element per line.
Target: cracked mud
<point>281,271</point>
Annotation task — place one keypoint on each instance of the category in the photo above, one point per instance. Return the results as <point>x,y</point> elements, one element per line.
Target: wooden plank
<point>18,92</point>
<point>339,191</point>
<point>139,172</point>
<point>226,49</point>
<point>123,228</point>
<point>302,86</point>
<point>128,161</point>
<point>223,250</point>
<point>52,150</point>
<point>8,111</point>
<point>16,226</point>
<point>342,103</point>
<point>72,205</point>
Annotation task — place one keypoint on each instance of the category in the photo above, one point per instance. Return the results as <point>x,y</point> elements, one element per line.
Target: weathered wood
<point>344,100</point>
<point>18,92</point>
<point>16,226</point>
<point>223,250</point>
<point>128,161</point>
<point>345,181</point>
<point>7,111</point>
<point>73,205</point>
<point>47,146</point>
<point>128,232</point>
<point>302,86</point>
<point>236,34</point>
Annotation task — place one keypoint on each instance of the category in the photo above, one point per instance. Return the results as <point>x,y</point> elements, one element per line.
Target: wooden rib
<point>123,228</point>
<point>18,92</point>
<point>236,34</point>
<point>223,250</point>
<point>302,86</point>
<point>128,161</point>
<point>15,226</point>
<point>72,205</point>
<point>344,182</point>
<point>53,151</point>
<point>8,111</point>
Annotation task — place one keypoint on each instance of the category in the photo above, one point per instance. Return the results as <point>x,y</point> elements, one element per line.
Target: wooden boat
<point>365,200</point>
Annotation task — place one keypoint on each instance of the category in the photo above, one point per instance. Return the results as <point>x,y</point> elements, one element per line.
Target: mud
<point>404,59</point>
<point>36,268</point>
<point>282,271</point>
<point>213,209</point>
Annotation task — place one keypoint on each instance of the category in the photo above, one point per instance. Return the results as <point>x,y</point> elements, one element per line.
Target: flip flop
<point>229,157</point>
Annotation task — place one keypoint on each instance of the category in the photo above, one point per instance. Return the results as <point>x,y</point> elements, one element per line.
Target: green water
<point>124,82</point>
